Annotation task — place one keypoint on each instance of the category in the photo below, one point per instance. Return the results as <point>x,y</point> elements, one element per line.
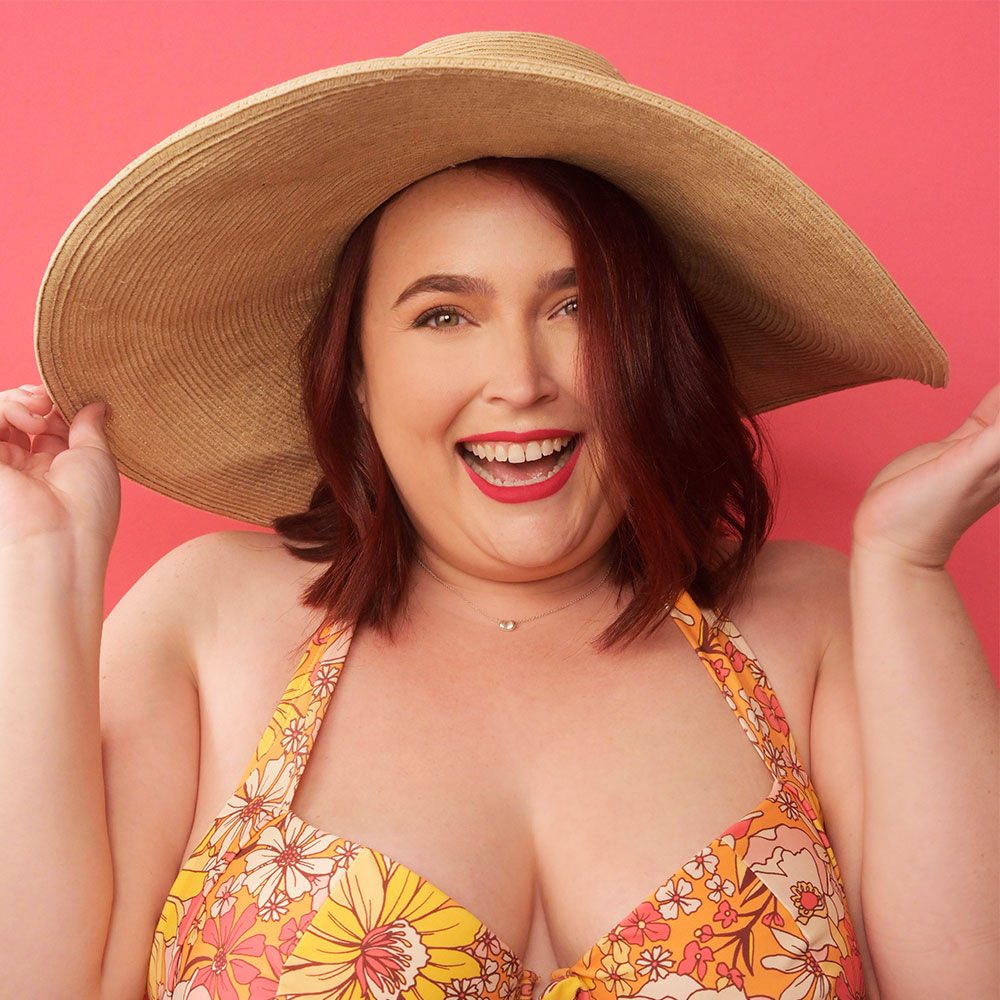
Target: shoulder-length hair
<point>683,454</point>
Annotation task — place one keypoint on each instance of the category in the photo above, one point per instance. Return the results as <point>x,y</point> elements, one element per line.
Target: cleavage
<point>548,802</point>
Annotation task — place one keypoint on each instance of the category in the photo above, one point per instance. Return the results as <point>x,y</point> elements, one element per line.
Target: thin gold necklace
<point>509,624</point>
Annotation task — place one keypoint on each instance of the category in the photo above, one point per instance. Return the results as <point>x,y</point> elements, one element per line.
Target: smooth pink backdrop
<point>888,110</point>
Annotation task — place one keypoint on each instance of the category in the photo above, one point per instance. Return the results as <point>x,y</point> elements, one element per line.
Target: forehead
<point>449,206</point>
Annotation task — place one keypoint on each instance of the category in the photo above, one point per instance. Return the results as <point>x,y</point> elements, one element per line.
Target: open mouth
<point>509,464</point>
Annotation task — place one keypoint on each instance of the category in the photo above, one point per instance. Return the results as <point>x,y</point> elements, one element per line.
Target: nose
<point>518,366</point>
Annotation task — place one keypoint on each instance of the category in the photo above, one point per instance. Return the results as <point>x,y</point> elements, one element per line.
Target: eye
<point>440,311</point>
<point>570,302</point>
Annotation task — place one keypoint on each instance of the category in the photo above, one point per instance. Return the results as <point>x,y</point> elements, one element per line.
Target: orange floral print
<point>268,907</point>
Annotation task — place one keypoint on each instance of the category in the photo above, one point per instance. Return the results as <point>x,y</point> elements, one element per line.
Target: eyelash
<point>424,317</point>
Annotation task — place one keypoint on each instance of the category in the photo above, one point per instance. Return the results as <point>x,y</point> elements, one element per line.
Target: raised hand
<point>55,478</point>
<point>919,505</point>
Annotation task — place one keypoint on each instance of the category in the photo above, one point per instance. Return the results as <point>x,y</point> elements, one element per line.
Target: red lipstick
<point>533,491</point>
<point>518,436</point>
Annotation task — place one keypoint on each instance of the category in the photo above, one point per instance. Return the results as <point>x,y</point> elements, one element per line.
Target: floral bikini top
<point>270,907</point>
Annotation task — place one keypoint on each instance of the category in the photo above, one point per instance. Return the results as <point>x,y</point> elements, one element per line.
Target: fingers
<point>22,413</point>
<point>30,422</point>
<point>986,413</point>
<point>87,429</point>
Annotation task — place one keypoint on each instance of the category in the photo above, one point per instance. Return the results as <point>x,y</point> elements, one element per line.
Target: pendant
<point>507,625</point>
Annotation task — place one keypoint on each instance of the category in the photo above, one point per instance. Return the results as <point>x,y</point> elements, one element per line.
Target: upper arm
<point>835,739</point>
<point>150,733</point>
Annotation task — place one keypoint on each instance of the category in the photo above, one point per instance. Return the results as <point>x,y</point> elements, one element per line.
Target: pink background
<point>888,110</point>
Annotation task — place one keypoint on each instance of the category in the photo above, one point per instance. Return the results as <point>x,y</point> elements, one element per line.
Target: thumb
<point>87,427</point>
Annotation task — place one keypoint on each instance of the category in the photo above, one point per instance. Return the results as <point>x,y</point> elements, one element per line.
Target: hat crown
<point>519,46</point>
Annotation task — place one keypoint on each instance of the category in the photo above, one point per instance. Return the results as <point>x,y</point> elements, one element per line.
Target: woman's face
<point>497,364</point>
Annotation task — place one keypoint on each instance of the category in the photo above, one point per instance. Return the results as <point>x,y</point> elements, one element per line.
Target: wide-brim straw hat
<point>181,291</point>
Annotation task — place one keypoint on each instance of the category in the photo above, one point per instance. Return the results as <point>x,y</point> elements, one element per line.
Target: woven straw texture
<point>180,292</point>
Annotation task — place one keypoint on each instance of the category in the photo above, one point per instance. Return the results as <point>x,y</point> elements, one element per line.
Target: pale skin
<point>512,770</point>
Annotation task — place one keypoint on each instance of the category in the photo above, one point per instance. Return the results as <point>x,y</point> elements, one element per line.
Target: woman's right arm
<point>99,746</point>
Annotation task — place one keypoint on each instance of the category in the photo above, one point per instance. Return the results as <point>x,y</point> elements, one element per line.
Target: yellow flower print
<point>383,933</point>
<point>616,975</point>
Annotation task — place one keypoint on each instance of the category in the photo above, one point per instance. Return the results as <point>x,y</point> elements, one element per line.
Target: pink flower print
<point>704,933</point>
<point>720,668</point>
<point>225,934</point>
<point>265,987</point>
<point>288,855</point>
<point>809,900</point>
<point>703,861</point>
<point>654,962</point>
<point>774,919</point>
<point>815,974</point>
<point>851,984</point>
<point>696,959</point>
<point>725,914</point>
<point>771,709</point>
<point>672,898</point>
<point>292,930</point>
<point>717,887</point>
<point>736,657</point>
<point>391,956</point>
<point>732,975</point>
<point>644,923</point>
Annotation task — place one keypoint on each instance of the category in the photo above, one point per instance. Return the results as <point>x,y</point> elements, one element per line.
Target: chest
<point>545,788</point>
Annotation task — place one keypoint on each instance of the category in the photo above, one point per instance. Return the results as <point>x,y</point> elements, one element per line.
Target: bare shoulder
<point>793,606</point>
<point>801,580</point>
<point>221,583</point>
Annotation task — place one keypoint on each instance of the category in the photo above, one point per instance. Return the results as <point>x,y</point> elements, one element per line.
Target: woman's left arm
<point>907,704</point>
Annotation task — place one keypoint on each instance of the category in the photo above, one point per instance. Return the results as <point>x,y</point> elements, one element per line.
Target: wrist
<point>891,556</point>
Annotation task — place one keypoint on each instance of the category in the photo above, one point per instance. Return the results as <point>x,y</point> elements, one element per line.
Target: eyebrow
<point>467,284</point>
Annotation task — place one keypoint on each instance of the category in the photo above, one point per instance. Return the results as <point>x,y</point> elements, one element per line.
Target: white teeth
<point>529,451</point>
<point>483,471</point>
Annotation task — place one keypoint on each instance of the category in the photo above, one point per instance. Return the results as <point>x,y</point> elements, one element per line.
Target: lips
<point>542,477</point>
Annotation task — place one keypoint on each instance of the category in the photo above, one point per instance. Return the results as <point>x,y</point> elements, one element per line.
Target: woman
<point>510,799</point>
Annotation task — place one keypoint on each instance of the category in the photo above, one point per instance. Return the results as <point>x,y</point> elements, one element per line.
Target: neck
<point>509,593</point>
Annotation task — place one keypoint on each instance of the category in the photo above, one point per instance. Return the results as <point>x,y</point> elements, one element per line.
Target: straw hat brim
<point>180,292</point>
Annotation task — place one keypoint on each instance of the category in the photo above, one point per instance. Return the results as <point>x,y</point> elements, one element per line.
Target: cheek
<point>413,406</point>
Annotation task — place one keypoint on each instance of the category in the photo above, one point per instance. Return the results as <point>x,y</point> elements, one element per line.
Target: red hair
<point>683,454</point>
